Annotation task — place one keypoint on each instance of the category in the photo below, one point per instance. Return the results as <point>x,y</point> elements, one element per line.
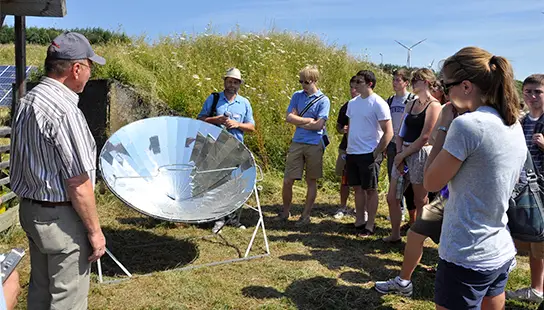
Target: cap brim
<point>98,59</point>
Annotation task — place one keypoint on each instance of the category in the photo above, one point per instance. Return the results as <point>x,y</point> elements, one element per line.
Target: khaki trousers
<point>59,248</point>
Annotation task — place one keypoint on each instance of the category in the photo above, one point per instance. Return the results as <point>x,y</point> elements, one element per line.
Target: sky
<point>509,28</point>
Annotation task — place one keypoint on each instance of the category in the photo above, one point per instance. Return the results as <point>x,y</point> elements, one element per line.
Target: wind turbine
<point>408,63</point>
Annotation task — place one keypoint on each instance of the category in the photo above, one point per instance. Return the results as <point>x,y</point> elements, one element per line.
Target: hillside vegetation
<point>183,70</point>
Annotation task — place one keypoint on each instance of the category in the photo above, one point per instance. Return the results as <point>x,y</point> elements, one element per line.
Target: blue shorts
<point>461,288</point>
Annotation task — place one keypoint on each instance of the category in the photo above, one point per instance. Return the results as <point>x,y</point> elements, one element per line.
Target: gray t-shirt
<point>474,231</point>
<point>397,109</point>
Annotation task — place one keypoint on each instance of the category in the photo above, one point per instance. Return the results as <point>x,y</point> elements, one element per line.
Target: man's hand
<point>538,139</point>
<point>222,119</point>
<point>231,124</point>
<point>346,129</point>
<point>98,244</point>
<point>12,288</point>
<point>399,163</point>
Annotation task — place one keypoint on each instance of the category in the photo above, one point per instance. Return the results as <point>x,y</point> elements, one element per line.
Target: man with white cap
<point>234,113</point>
<point>53,163</point>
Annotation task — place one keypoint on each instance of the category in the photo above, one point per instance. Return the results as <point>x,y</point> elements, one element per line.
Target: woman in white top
<point>480,159</point>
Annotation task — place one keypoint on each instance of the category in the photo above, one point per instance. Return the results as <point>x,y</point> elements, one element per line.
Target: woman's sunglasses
<point>447,86</point>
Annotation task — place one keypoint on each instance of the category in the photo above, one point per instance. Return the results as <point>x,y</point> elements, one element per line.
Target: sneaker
<point>392,286</point>
<point>340,213</point>
<point>524,294</point>
<point>218,226</point>
<point>303,221</point>
<point>236,223</point>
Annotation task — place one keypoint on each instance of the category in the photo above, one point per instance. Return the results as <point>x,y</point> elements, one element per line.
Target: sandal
<point>365,233</point>
<point>390,241</point>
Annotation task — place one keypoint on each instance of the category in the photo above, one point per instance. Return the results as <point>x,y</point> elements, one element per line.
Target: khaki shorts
<point>340,163</point>
<point>534,249</point>
<point>429,221</point>
<point>301,157</point>
<point>416,165</point>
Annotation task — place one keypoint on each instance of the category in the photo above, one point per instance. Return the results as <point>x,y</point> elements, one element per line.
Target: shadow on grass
<point>320,293</point>
<point>142,252</point>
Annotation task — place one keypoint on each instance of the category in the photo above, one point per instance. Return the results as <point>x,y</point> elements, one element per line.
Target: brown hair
<point>534,79</point>
<point>493,75</point>
<point>403,73</point>
<point>424,74</point>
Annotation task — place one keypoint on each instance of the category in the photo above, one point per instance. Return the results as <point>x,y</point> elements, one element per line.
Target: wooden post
<point>20,60</point>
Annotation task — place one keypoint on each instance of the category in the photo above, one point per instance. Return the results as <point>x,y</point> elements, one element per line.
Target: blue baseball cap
<point>73,46</point>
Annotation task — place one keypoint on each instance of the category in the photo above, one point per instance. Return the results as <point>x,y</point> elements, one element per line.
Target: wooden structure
<point>8,217</point>
<point>20,9</point>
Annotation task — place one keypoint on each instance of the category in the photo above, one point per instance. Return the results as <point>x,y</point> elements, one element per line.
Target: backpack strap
<point>214,104</point>
<point>390,101</point>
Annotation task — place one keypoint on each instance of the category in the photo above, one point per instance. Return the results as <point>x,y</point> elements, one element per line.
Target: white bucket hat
<point>233,73</point>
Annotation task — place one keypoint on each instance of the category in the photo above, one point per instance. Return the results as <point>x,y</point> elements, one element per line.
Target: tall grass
<point>182,70</point>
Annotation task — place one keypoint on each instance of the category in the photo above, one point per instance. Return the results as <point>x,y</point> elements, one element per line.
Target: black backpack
<point>214,104</point>
<point>410,98</point>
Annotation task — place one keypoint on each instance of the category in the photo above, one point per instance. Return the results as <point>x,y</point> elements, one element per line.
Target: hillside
<point>184,70</point>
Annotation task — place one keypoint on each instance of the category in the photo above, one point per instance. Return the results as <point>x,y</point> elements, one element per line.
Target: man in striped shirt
<point>53,162</point>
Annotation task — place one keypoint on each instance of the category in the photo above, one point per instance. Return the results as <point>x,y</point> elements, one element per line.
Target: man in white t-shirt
<point>370,131</point>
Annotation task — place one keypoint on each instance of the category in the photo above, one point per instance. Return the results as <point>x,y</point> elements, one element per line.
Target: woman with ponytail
<point>480,159</point>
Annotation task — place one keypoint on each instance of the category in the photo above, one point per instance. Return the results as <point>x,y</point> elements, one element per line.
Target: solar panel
<point>178,169</point>
<point>7,78</point>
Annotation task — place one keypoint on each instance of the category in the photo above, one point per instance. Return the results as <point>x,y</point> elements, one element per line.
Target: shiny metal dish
<point>178,169</point>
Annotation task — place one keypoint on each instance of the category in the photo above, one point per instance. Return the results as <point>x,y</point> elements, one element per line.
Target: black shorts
<point>362,170</point>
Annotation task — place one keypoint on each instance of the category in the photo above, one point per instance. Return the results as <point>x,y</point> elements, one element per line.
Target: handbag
<point>526,208</point>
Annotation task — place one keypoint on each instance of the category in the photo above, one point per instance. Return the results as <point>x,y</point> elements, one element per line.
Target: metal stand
<point>260,224</point>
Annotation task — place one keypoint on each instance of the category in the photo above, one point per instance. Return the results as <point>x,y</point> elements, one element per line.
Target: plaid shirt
<point>50,142</point>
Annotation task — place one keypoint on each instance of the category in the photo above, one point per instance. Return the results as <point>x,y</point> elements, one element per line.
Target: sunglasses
<point>447,86</point>
<point>304,82</point>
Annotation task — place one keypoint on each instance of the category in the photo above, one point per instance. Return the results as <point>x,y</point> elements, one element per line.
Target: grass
<point>321,266</point>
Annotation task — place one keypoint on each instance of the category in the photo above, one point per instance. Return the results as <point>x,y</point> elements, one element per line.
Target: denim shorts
<point>457,287</point>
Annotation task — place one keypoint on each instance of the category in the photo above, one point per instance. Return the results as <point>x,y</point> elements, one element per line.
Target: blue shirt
<point>239,110</point>
<point>319,109</point>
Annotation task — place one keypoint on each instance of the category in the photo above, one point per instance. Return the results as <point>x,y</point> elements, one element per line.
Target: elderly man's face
<point>232,85</point>
<point>81,73</point>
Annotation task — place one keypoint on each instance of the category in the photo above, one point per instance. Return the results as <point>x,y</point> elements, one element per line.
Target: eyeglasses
<point>304,82</point>
<point>414,81</point>
<point>447,86</point>
<point>532,92</point>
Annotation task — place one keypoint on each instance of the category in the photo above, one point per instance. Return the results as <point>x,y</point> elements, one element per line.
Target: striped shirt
<point>50,142</point>
<point>537,155</point>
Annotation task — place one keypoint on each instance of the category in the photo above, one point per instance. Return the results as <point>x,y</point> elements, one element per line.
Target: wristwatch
<point>443,128</point>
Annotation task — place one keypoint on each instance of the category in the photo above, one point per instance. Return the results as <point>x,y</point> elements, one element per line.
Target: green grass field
<point>320,266</point>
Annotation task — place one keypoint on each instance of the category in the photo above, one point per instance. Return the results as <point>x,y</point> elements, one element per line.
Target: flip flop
<point>365,233</point>
<point>386,240</point>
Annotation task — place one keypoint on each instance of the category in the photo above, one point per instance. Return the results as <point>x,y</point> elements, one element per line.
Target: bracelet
<point>443,128</point>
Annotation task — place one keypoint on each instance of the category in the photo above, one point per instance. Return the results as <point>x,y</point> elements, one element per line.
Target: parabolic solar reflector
<point>178,169</point>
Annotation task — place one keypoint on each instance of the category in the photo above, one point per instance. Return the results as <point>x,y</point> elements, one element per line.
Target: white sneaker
<point>345,211</point>
<point>524,294</point>
<point>392,286</point>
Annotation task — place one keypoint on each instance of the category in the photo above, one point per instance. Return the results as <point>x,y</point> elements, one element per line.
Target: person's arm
<point>431,117</point>
<point>387,128</point>
<point>76,153</point>
<point>322,115</point>
<point>441,165</point>
<point>343,120</point>
<point>205,113</point>
<point>11,290</point>
<point>293,118</point>
<point>80,190</point>
<point>247,124</point>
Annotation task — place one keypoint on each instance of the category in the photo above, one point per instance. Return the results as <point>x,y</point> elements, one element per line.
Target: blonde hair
<point>493,75</point>
<point>310,73</point>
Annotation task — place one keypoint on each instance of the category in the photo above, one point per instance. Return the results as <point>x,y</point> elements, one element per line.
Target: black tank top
<point>414,124</point>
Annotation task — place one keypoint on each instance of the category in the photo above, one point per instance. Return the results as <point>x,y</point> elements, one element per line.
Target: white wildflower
<point>196,77</point>
<point>208,79</point>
